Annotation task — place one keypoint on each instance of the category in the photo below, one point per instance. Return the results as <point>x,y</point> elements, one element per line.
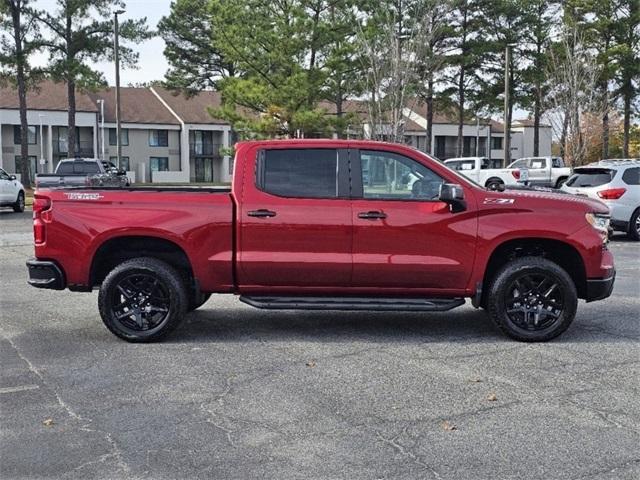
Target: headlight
<point>600,222</point>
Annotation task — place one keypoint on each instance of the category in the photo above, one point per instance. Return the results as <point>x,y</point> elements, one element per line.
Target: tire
<point>132,286</point>
<point>519,305</point>
<point>634,226</point>
<point>18,207</point>
<point>495,184</point>
<point>197,299</point>
<point>561,181</point>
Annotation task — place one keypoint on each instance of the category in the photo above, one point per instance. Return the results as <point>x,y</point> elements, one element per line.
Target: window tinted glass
<point>64,168</point>
<point>311,173</point>
<point>631,176</point>
<point>462,165</point>
<point>590,177</point>
<point>557,162</point>
<point>395,177</point>
<point>86,167</point>
<point>3,175</point>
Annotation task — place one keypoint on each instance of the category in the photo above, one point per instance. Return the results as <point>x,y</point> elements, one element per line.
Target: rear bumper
<point>45,274</point>
<point>600,288</point>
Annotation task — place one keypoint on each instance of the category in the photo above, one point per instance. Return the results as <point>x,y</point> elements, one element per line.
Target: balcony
<point>83,148</point>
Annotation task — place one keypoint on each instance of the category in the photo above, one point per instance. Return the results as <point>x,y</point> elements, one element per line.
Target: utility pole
<point>42,160</point>
<point>101,102</point>
<point>117,59</point>
<point>507,104</point>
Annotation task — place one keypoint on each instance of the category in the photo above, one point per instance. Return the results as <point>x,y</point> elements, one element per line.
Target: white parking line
<point>20,388</point>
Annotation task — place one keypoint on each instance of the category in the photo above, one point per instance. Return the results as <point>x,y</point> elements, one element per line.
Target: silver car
<point>615,183</point>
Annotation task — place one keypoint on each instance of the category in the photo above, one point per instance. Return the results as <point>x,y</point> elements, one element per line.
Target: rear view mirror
<point>453,194</point>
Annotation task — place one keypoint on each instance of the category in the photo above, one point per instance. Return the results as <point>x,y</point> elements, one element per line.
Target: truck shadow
<point>462,325</point>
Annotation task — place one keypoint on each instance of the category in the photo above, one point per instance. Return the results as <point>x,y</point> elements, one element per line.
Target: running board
<point>353,303</point>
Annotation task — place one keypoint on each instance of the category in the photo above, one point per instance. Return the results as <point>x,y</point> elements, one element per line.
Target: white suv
<point>615,183</point>
<point>11,192</point>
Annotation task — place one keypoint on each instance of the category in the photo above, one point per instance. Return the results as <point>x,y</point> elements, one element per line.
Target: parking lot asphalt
<point>238,393</point>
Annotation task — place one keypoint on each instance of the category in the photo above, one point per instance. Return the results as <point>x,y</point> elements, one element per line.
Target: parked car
<point>11,192</point>
<point>299,229</point>
<point>73,172</point>
<point>616,183</point>
<point>542,171</point>
<point>479,170</point>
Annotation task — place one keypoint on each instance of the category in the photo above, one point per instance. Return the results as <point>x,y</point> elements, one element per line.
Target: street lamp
<point>117,61</point>
<point>507,103</point>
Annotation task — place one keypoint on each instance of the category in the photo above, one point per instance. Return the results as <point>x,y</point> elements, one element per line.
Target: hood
<point>530,199</point>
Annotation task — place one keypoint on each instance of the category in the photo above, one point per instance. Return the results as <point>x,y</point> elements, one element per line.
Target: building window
<point>33,165</point>
<point>124,136</point>
<point>496,143</point>
<point>32,135</point>
<point>124,162</point>
<point>158,138</point>
<point>159,164</point>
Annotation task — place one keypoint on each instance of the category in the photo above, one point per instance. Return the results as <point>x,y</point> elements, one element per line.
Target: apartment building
<point>171,138</point>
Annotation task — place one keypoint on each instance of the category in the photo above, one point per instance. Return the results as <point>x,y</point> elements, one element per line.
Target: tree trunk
<point>605,121</point>
<point>536,120</point>
<point>563,136</point>
<point>71,131</point>
<point>25,176</point>
<point>627,122</point>
<point>460,141</point>
<point>429,116</point>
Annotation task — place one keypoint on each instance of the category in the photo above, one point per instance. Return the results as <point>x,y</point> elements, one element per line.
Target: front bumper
<point>45,274</point>
<point>600,288</point>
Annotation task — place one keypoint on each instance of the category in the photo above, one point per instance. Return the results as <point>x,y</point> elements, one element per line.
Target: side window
<point>538,163</point>
<point>306,173</point>
<point>631,176</point>
<point>64,168</point>
<point>556,162</point>
<point>389,176</point>
<point>3,175</point>
<point>519,164</point>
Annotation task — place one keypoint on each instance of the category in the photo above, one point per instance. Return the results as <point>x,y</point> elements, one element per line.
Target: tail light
<point>516,174</point>
<point>41,214</point>
<point>612,193</point>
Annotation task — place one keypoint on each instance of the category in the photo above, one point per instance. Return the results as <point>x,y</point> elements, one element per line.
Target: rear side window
<point>306,173</point>
<point>460,165</point>
<point>64,168</point>
<point>590,177</point>
<point>86,167</point>
<point>631,176</point>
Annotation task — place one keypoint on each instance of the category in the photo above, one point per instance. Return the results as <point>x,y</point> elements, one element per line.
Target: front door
<point>405,240</point>
<point>204,169</point>
<point>295,221</point>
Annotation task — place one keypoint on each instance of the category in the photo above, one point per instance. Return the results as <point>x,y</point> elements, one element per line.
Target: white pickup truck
<point>542,171</point>
<point>479,170</point>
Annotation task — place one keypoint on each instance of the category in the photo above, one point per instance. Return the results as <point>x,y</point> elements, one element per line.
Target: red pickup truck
<point>325,224</point>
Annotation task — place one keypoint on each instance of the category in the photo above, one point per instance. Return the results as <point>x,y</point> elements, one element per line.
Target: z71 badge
<point>83,196</point>
<point>498,201</point>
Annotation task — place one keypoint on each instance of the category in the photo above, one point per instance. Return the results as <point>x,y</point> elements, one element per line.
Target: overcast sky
<point>151,65</point>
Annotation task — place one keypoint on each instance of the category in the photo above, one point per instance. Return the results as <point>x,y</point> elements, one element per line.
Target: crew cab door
<point>405,239</point>
<point>294,220</point>
<point>539,171</point>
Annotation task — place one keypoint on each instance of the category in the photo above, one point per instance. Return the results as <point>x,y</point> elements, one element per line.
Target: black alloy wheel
<point>532,299</point>
<point>142,300</point>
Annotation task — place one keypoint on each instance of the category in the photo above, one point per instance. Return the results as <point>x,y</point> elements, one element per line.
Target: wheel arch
<point>493,180</point>
<point>116,250</point>
<point>562,253</point>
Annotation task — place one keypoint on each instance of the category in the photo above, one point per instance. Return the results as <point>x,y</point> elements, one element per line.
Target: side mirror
<point>12,177</point>
<point>453,194</point>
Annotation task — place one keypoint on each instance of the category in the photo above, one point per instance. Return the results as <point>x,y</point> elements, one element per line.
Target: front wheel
<point>634,226</point>
<point>532,299</point>
<point>18,207</point>
<point>142,300</point>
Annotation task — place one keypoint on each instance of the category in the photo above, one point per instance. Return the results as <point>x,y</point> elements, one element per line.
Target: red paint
<point>318,246</point>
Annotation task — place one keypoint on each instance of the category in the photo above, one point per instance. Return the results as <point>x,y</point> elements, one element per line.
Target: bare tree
<point>391,42</point>
<point>573,75</point>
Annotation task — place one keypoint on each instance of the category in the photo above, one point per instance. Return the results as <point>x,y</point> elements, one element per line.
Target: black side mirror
<point>12,177</point>
<point>453,194</point>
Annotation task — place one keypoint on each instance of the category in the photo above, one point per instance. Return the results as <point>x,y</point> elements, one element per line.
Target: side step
<point>353,303</point>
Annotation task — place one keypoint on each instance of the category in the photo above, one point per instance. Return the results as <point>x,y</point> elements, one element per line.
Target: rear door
<point>405,239</point>
<point>295,220</point>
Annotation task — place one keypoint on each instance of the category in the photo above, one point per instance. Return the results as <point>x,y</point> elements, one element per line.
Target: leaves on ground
<point>311,363</point>
<point>492,397</point>
<point>448,426</point>
<point>48,422</point>
<point>475,380</point>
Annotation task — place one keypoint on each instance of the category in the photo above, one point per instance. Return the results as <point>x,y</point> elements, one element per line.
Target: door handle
<point>262,213</point>
<point>372,215</point>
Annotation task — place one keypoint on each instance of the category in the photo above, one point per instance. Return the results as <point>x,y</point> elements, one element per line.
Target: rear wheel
<point>19,205</point>
<point>495,184</point>
<point>634,226</point>
<point>561,181</point>
<point>142,300</point>
<point>532,299</point>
